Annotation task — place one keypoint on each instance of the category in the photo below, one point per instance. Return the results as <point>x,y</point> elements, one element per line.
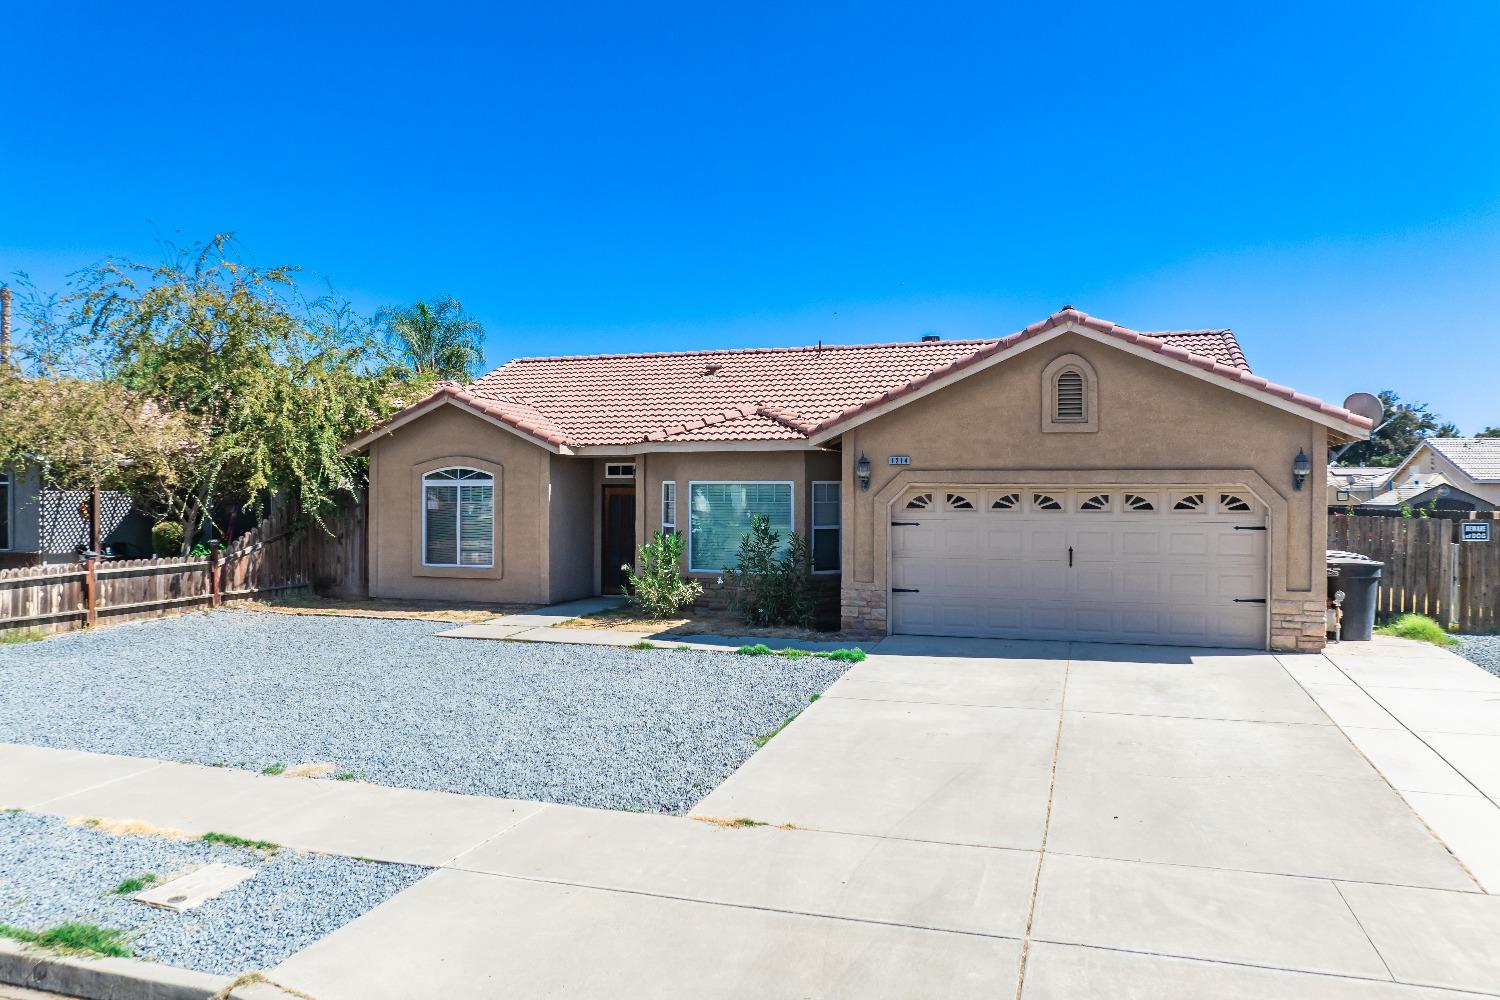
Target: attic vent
<point>712,368</point>
<point>1070,397</point>
<point>930,338</point>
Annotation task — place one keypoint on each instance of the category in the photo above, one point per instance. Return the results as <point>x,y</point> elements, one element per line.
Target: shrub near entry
<point>655,585</point>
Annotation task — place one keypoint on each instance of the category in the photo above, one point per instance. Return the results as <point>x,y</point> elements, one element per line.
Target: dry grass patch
<point>703,621</point>
<point>463,612</point>
<point>130,828</point>
<point>316,769</point>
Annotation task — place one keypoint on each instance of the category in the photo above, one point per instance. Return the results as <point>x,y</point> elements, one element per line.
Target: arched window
<point>1070,395</point>
<point>458,518</point>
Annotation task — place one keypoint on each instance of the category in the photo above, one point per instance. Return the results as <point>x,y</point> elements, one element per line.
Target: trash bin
<point>1358,577</point>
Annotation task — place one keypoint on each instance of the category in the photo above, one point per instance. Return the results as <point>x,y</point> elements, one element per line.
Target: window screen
<point>719,515</point>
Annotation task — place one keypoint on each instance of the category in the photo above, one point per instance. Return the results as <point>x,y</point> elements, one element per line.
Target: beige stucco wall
<point>443,438</point>
<point>1155,426</point>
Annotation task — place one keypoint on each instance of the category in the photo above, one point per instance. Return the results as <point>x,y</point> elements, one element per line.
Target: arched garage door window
<point>458,518</point>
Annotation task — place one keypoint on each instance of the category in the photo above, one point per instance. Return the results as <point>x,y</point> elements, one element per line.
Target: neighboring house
<point>39,524</point>
<point>1352,484</point>
<point>1471,465</point>
<point>1431,492</point>
<point>1075,480</point>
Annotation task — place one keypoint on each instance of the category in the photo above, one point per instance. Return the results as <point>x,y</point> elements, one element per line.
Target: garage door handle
<point>906,524</point>
<point>1249,527</point>
<point>905,590</point>
<point>1070,556</point>
<point>1249,600</point>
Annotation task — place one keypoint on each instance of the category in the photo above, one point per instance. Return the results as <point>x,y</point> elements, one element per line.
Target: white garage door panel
<point>1164,576</point>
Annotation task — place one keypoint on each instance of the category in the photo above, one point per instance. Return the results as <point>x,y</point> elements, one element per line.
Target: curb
<point>113,978</point>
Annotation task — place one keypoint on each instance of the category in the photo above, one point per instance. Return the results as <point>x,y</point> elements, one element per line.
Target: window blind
<point>720,514</point>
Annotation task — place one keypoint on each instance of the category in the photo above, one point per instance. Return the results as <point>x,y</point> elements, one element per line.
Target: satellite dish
<point>1366,405</point>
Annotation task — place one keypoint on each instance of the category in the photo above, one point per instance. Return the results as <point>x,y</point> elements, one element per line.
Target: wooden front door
<point>617,537</point>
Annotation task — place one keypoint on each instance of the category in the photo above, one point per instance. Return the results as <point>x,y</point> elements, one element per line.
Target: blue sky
<point>1324,178</point>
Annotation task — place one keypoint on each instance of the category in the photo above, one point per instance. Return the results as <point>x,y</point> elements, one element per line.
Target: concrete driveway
<point>953,819</point>
<point>960,819</point>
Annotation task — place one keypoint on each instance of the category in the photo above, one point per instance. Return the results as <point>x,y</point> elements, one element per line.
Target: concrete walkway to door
<point>953,819</point>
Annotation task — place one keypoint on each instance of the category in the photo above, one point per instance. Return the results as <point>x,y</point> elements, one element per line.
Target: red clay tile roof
<point>777,394</point>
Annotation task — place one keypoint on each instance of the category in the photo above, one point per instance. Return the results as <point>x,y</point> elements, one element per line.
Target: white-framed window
<point>619,470</point>
<point>827,522</point>
<point>720,514</point>
<point>668,507</point>
<point>458,518</point>
<point>5,498</point>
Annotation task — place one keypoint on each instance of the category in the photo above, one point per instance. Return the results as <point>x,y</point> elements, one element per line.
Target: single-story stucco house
<point>1073,480</point>
<point>1471,465</point>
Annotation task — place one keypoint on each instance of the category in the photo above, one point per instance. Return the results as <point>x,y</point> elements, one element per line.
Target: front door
<point>617,538</point>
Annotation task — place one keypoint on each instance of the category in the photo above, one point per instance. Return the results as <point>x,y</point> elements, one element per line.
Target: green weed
<point>234,841</point>
<point>274,769</point>
<point>643,644</point>
<point>1418,627</point>
<point>759,649</point>
<point>73,938</point>
<point>133,885</point>
<point>15,638</point>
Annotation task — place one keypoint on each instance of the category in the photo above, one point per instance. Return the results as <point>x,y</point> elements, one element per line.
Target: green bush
<point>1418,627</point>
<point>166,539</point>
<point>771,587</point>
<point>654,584</point>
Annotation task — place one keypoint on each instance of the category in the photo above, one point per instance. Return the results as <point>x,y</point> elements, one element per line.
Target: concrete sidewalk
<point>1430,721</point>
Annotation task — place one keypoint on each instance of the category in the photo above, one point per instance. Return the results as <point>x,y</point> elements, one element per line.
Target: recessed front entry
<point>1133,564</point>
<point>616,537</point>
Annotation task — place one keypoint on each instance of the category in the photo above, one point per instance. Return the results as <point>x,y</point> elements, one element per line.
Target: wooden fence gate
<point>276,556</point>
<point>1428,569</point>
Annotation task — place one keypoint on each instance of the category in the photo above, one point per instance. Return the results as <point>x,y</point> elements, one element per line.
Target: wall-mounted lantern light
<point>862,471</point>
<point>1301,469</point>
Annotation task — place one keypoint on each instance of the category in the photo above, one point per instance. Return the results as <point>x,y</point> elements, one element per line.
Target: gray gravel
<point>1481,649</point>
<point>51,873</point>
<point>386,700</point>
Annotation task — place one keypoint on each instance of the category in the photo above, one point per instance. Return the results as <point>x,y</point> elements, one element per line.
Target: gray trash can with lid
<point>1359,578</point>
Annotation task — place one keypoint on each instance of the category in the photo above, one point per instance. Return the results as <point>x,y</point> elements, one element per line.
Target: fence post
<point>91,590</point>
<point>213,575</point>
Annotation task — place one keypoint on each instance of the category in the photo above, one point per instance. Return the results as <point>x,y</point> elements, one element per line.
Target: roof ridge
<point>801,348</point>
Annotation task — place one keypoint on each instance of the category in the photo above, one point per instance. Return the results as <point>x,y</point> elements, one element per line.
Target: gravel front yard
<point>386,701</point>
<point>52,873</point>
<point>1482,649</point>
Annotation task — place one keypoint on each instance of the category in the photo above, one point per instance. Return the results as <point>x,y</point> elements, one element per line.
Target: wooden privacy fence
<point>1428,569</point>
<point>276,556</point>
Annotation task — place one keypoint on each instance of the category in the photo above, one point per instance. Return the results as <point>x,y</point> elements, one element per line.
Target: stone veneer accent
<point>1298,624</point>
<point>862,608</point>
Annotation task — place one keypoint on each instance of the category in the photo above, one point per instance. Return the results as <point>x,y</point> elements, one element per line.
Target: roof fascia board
<point>364,441</point>
<point>656,447</point>
<point>1249,392</point>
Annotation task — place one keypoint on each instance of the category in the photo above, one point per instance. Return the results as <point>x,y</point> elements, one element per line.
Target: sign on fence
<point>1475,531</point>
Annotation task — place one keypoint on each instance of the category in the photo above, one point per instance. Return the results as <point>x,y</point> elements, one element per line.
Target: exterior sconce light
<point>862,471</point>
<point>1301,469</point>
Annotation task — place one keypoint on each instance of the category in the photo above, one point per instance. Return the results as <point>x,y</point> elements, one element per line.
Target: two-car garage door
<point>1146,564</point>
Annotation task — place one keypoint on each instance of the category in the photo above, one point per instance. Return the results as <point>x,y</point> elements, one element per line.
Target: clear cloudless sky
<point>1322,177</point>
